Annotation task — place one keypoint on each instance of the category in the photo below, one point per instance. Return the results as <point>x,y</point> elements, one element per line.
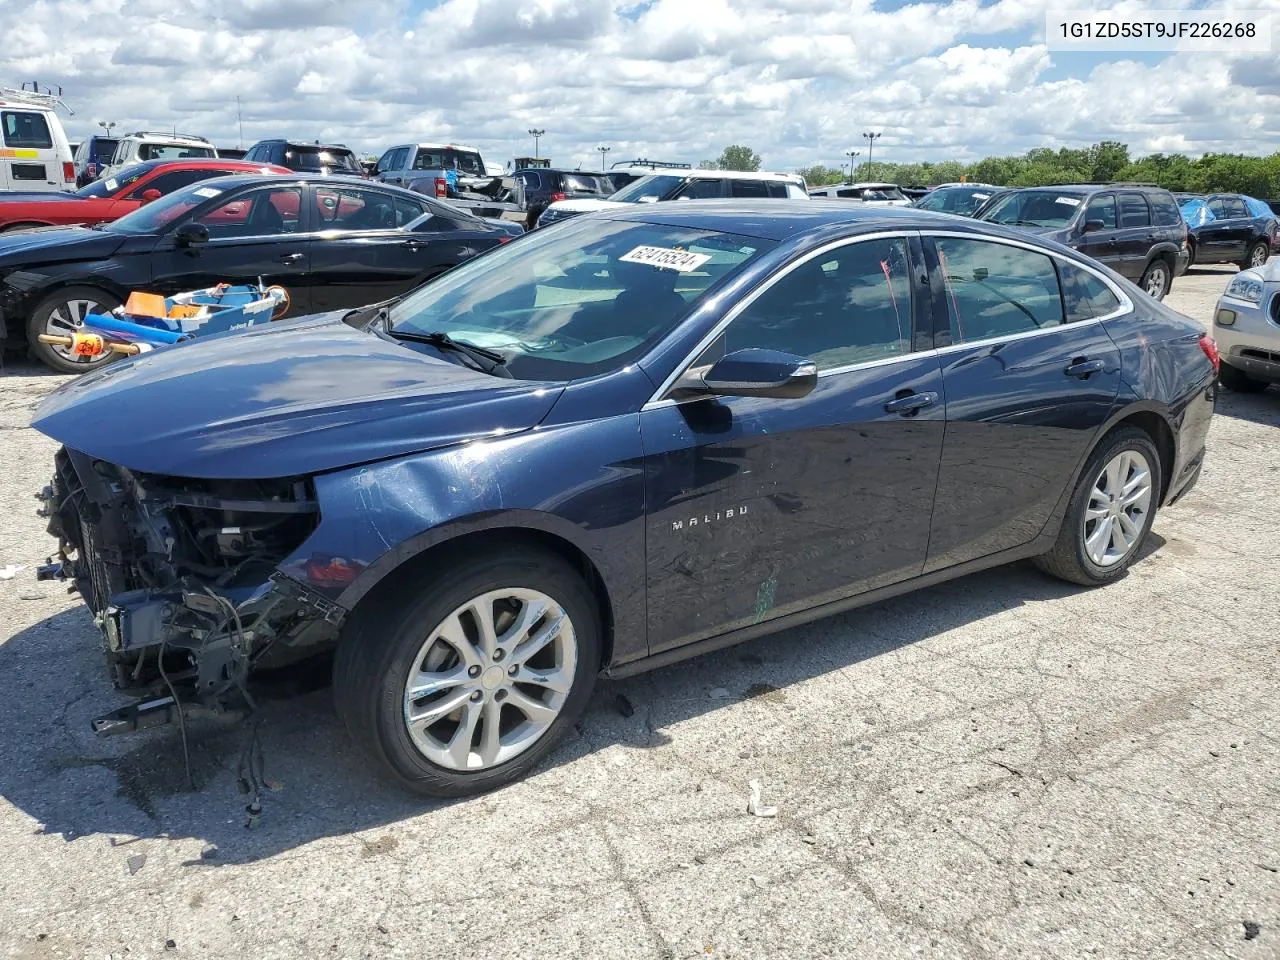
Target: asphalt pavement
<point>1002,766</point>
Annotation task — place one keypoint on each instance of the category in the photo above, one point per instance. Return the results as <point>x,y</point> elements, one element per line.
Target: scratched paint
<point>764,597</point>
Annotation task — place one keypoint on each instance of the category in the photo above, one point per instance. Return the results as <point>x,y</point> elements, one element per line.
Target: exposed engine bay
<point>181,578</point>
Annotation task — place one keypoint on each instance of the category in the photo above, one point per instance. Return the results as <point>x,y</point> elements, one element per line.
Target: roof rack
<point>651,164</point>
<point>36,97</point>
<point>165,135</point>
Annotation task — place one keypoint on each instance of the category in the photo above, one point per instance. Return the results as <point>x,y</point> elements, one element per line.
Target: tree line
<point>1100,163</point>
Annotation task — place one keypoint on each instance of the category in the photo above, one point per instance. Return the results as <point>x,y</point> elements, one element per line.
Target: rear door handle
<point>291,258</point>
<point>1083,368</point>
<point>909,403</point>
<point>1112,242</point>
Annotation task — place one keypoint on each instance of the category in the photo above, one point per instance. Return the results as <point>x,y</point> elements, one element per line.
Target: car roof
<point>436,146</point>
<point>782,219</point>
<point>305,143</point>
<point>206,163</point>
<point>161,137</point>
<point>237,180</point>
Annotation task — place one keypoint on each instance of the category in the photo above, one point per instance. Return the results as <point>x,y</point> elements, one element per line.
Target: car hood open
<point>282,400</point>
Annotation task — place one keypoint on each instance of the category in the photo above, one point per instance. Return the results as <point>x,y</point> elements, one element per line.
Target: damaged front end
<point>181,576</point>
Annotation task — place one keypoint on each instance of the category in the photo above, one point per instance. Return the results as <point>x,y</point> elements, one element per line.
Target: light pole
<point>603,151</point>
<point>536,134</point>
<point>851,154</point>
<point>107,125</point>
<point>871,144</point>
<point>239,125</point>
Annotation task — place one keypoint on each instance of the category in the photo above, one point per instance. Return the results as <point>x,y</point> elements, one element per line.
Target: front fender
<point>582,483</point>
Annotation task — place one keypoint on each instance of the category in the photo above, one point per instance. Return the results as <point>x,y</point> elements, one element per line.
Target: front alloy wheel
<point>489,680</point>
<point>63,313</point>
<point>1119,505</point>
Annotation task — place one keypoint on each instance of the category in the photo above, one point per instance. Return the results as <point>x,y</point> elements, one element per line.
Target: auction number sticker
<point>1069,201</point>
<point>206,192</point>
<point>666,258</point>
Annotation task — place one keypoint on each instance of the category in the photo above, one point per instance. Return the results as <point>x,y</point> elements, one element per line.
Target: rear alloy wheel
<point>62,313</point>
<point>465,686</point>
<point>1257,256</point>
<point>1238,381</point>
<point>1155,282</point>
<point>1110,513</point>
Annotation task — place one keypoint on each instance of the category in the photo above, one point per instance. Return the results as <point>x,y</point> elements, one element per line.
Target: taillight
<point>69,172</point>
<point>1210,348</point>
<point>504,239</point>
<point>442,187</point>
<point>90,169</point>
<point>556,197</point>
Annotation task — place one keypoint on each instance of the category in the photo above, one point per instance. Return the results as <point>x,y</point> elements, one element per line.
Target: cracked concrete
<point>1002,766</point>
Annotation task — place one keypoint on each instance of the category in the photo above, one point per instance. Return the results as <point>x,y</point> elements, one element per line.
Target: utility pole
<point>240,125</point>
<point>603,151</point>
<point>851,154</point>
<point>536,134</point>
<point>871,144</point>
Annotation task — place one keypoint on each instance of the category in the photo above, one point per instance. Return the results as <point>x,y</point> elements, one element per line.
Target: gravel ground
<point>1001,766</point>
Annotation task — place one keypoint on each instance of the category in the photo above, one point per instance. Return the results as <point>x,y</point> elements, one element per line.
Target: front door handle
<point>291,258</point>
<point>909,403</point>
<point>415,243</point>
<point>1112,242</point>
<point>1082,368</point>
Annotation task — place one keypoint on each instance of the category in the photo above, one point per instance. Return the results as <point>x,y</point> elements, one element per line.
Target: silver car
<point>1246,325</point>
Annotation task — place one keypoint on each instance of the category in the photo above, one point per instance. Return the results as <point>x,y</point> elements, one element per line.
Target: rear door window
<point>27,129</point>
<point>996,290</point>
<point>1134,211</point>
<point>1218,208</point>
<point>173,151</point>
<point>1236,208</point>
<point>702,190</point>
<point>746,189</point>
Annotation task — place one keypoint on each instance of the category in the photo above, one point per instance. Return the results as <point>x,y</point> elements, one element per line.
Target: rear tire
<point>1237,381</point>
<point>63,312</point>
<point>1096,543</point>
<point>408,639</point>
<point>1257,256</point>
<point>1157,279</point>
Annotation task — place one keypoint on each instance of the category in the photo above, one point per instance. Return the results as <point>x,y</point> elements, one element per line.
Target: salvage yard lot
<point>1003,765</point>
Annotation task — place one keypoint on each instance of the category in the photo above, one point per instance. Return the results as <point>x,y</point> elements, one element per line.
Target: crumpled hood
<point>53,244</point>
<point>587,205</point>
<point>283,399</point>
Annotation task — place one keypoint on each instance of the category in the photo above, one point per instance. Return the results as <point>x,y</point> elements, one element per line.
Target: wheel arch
<point>501,531</point>
<point>1152,419</point>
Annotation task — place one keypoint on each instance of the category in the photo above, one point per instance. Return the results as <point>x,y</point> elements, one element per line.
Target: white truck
<point>35,155</point>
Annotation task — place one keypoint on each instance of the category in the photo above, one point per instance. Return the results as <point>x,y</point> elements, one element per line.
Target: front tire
<point>63,312</point>
<point>1257,256</point>
<point>1157,279</point>
<point>1110,513</point>
<point>1238,381</point>
<point>464,687</point>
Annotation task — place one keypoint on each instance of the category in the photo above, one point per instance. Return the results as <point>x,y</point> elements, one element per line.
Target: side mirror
<point>191,234</point>
<point>149,195</point>
<point>1093,226</point>
<point>757,373</point>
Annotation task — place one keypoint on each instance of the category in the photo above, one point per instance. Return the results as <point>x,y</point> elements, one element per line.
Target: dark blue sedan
<point>640,436</point>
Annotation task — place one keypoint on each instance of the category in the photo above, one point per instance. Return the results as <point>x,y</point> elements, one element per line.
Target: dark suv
<point>91,158</point>
<point>317,157</point>
<point>536,189</point>
<point>1134,229</point>
<point>1230,228</point>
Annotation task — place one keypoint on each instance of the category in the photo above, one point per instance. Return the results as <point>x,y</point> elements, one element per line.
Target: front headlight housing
<point>1245,287</point>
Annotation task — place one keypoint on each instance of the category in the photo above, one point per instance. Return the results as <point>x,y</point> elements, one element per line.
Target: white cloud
<point>676,79</point>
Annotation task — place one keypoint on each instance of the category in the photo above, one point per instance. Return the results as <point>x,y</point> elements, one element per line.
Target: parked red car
<point>112,197</point>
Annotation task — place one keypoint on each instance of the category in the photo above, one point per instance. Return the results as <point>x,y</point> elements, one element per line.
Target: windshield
<point>109,185</point>
<point>173,151</point>
<point>583,299</point>
<point>1034,208</point>
<point>159,213</point>
<point>319,160</point>
<point>648,189</point>
<point>961,200</point>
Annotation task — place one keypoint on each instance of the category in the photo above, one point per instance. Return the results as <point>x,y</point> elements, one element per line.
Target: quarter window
<point>850,305</point>
<point>23,129</point>
<point>1102,208</point>
<point>407,211</point>
<point>997,290</point>
<point>1133,210</point>
<point>1164,212</point>
<point>1084,294</point>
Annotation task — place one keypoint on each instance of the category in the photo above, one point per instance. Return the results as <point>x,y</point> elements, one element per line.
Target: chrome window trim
<point>657,398</point>
<point>1126,306</point>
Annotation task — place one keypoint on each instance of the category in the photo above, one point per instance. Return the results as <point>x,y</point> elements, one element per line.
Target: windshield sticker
<point>982,196</point>
<point>112,183</point>
<point>206,192</point>
<point>666,259</point>
<point>1069,201</point>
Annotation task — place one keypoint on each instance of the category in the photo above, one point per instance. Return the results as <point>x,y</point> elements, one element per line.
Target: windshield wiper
<point>484,360</point>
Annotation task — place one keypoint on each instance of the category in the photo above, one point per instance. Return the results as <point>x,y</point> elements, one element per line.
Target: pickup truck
<point>450,172</point>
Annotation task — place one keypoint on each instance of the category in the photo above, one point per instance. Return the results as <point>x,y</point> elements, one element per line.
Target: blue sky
<point>797,80</point>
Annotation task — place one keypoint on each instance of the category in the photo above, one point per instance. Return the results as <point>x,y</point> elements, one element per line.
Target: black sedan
<point>332,242</point>
<point>639,436</point>
<point>1230,228</point>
